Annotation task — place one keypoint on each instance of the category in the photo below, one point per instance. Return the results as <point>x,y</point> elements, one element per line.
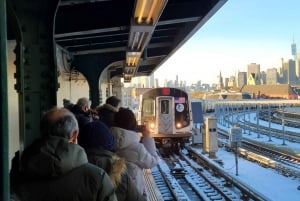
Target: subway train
<point>167,113</point>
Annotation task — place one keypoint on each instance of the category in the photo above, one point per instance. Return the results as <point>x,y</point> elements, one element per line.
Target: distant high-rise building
<point>253,74</point>
<point>232,81</point>
<point>292,72</point>
<point>151,80</point>
<point>170,83</point>
<point>242,79</point>
<point>253,68</point>
<point>140,82</point>
<point>220,84</point>
<point>263,77</point>
<point>176,81</point>
<point>272,76</point>
<point>156,83</point>
<point>296,60</point>
<point>294,49</point>
<point>226,81</point>
<point>289,72</point>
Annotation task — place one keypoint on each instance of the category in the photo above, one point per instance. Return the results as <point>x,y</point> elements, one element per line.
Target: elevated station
<point>100,40</point>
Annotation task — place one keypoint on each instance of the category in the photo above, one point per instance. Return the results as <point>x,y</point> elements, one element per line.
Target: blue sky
<point>239,33</point>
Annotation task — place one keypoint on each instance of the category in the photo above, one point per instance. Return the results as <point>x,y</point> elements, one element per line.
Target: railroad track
<point>273,154</point>
<point>181,177</point>
<point>284,163</point>
<point>263,130</point>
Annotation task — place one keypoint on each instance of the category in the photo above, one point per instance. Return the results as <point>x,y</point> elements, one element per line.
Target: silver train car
<point>167,112</point>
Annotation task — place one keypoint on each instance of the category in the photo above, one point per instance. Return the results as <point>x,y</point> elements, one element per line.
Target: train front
<point>167,112</point>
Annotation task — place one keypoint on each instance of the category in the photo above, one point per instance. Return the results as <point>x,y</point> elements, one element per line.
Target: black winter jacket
<point>54,169</point>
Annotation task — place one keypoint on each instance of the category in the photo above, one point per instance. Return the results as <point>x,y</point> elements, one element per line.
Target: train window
<point>212,129</point>
<point>148,107</point>
<point>164,107</point>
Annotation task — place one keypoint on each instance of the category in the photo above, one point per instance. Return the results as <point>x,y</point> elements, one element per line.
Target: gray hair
<point>83,102</point>
<point>58,122</point>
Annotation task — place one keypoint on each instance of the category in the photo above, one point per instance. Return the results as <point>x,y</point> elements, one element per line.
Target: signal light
<point>165,91</point>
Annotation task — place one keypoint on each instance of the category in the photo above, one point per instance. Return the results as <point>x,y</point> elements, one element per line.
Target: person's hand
<point>146,131</point>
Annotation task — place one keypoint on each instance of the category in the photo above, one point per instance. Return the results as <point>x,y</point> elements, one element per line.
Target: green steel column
<point>36,73</point>
<point>94,92</point>
<point>4,105</point>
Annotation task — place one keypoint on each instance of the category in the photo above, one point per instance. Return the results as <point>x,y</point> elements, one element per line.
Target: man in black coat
<point>56,168</point>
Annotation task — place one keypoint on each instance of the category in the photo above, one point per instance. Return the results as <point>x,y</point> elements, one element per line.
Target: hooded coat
<point>54,169</point>
<point>106,114</point>
<point>138,155</point>
<point>98,142</point>
<point>116,169</point>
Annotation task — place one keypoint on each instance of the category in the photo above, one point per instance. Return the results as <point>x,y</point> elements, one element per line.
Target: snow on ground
<point>267,181</point>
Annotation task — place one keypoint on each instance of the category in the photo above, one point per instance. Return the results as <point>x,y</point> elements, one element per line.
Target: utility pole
<point>235,138</point>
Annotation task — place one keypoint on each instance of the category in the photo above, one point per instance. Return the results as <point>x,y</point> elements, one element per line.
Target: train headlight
<point>152,125</point>
<point>178,125</point>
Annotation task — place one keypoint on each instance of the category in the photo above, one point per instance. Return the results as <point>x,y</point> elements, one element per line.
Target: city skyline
<point>240,33</point>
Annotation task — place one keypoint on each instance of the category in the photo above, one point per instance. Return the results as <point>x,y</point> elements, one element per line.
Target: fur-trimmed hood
<point>106,114</point>
<point>108,107</point>
<point>110,162</point>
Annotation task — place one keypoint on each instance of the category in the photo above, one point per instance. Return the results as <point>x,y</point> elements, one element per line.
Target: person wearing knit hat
<point>96,135</point>
<point>125,119</point>
<point>113,100</point>
<point>107,111</point>
<point>98,141</point>
<point>138,154</point>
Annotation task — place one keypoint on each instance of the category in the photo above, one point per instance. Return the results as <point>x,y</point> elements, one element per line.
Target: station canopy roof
<point>139,34</point>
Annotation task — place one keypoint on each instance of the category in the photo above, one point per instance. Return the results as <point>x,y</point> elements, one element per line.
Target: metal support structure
<point>36,71</point>
<point>94,94</point>
<point>244,109</point>
<point>5,192</point>
<point>236,159</point>
<point>92,66</point>
<point>228,116</point>
<point>224,114</point>
<point>270,118</point>
<point>283,126</point>
<point>232,114</point>
<point>249,121</point>
<point>257,121</point>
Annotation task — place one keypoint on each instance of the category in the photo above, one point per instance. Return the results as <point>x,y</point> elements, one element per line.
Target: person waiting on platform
<point>54,167</point>
<point>107,111</point>
<point>82,112</point>
<point>97,140</point>
<point>127,144</point>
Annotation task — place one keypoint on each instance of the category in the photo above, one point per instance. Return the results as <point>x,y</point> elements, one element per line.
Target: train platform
<point>153,192</point>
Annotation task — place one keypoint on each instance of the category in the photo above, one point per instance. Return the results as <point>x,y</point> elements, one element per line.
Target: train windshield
<point>164,107</point>
<point>148,107</point>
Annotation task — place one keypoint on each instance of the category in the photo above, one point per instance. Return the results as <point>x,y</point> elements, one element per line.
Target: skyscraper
<point>242,79</point>
<point>272,76</point>
<point>253,71</point>
<point>294,53</point>
<point>220,84</point>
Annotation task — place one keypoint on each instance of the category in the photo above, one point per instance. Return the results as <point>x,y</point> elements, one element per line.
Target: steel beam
<point>36,71</point>
<point>4,105</point>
